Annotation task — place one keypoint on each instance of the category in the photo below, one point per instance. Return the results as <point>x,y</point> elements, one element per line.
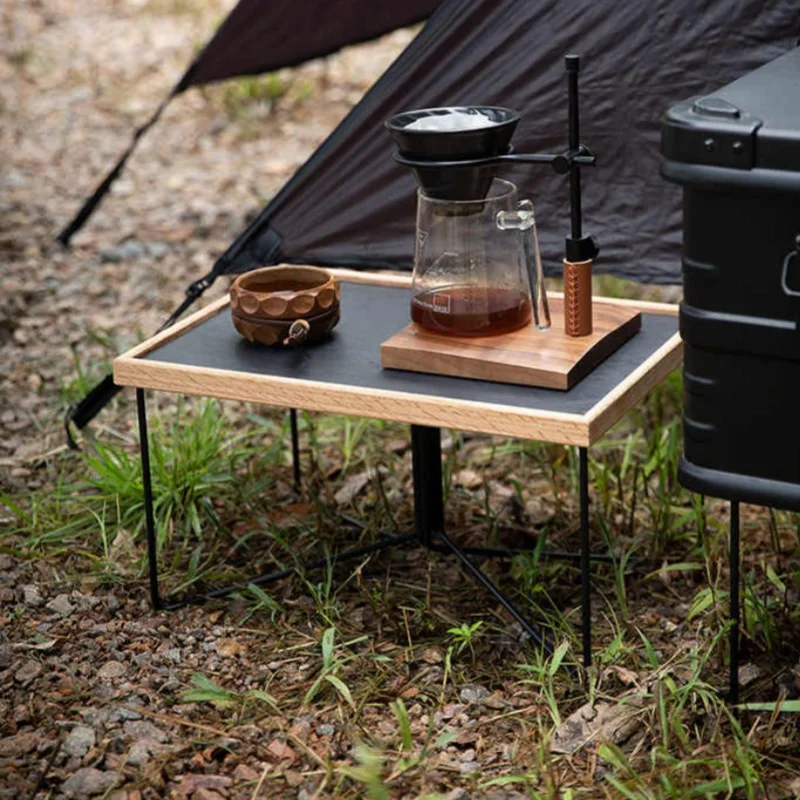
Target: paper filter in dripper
<point>429,139</point>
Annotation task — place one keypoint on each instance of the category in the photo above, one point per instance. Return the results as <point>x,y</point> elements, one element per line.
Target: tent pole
<point>102,190</point>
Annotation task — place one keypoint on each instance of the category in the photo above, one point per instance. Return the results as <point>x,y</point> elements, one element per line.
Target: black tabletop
<point>370,315</point>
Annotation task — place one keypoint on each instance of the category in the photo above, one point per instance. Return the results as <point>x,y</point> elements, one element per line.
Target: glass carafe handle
<point>522,220</point>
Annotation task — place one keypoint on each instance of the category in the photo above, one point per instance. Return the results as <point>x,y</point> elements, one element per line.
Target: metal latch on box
<point>791,257</point>
<point>710,130</point>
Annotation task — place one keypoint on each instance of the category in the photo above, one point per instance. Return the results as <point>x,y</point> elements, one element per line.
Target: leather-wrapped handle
<point>578,298</point>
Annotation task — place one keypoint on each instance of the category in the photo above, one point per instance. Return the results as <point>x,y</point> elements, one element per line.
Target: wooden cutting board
<point>548,359</point>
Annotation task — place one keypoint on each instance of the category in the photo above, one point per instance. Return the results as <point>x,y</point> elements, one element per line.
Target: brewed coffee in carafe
<point>471,263</point>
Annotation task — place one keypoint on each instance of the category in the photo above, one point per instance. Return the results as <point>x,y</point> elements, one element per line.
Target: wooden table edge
<point>574,429</point>
<point>629,392</point>
<point>335,398</point>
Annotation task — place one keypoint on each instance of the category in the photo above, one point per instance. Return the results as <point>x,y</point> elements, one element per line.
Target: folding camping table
<point>203,355</point>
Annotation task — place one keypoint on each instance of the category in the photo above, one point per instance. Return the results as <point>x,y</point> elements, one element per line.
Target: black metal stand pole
<point>573,66</point>
<point>149,517</point>
<point>426,453</point>
<point>586,600</point>
<point>734,604</point>
<point>295,449</point>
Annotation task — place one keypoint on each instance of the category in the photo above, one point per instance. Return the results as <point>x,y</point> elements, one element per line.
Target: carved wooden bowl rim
<point>319,292</point>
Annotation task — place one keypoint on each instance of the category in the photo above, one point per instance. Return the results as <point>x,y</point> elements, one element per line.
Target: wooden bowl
<point>285,305</point>
<point>304,330</point>
<point>284,292</point>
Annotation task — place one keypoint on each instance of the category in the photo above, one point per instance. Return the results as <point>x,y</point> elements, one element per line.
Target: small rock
<point>120,714</point>
<point>432,655</point>
<point>61,605</point>
<point>748,673</point>
<point>325,730</point>
<point>473,693</point>
<point>143,729</point>
<point>293,778</point>
<point>207,794</point>
<point>539,512</point>
<point>140,752</point>
<point>243,773</point>
<point>22,714</point>
<point>17,746</point>
<point>190,784</point>
<point>129,250</point>
<point>80,741</point>
<point>112,604</point>
<point>98,717</point>
<point>468,767</point>
<point>457,794</point>
<point>173,655</point>
<point>282,751</point>
<point>90,781</point>
<point>468,478</point>
<point>111,670</point>
<point>133,249</point>
<point>230,647</point>
<point>29,671</point>
<point>157,249</point>
<point>31,595</point>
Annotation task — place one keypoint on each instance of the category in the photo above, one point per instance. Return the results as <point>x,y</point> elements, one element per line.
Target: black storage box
<point>736,153</point>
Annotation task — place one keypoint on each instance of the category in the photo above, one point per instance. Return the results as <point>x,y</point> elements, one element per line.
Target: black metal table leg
<point>275,575</point>
<point>280,574</point>
<point>533,632</point>
<point>547,555</point>
<point>426,453</point>
<point>149,517</point>
<point>586,601</point>
<point>734,604</point>
<point>295,449</point>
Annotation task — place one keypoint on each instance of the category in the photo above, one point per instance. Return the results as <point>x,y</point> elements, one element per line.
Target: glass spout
<point>523,221</point>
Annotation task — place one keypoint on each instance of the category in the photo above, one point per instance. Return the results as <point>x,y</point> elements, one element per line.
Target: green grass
<point>389,642</point>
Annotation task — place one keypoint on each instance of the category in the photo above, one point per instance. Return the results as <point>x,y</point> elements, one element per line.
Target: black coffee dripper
<point>459,164</point>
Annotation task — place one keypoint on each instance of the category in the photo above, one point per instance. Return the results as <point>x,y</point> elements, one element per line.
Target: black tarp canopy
<point>351,205</point>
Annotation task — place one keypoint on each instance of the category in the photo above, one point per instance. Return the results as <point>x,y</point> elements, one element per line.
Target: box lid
<point>750,126</point>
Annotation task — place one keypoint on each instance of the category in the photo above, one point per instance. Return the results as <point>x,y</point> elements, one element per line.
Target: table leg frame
<point>198,599</point>
<point>735,616</point>
<point>429,531</point>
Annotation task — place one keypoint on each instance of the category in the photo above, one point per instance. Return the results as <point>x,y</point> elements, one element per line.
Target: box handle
<point>787,263</point>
